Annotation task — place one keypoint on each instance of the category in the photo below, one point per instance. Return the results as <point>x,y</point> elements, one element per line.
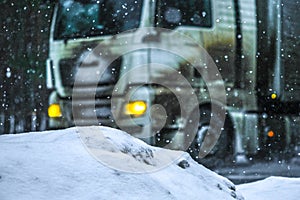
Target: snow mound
<point>101,163</point>
<point>275,188</point>
<point>110,146</point>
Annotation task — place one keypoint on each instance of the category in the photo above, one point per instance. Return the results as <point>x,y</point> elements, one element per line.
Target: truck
<point>147,67</point>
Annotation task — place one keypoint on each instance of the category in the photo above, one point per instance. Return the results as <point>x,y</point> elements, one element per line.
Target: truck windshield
<point>171,14</point>
<point>85,18</point>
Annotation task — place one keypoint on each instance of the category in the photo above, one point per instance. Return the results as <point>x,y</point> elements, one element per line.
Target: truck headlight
<point>136,108</point>
<point>54,111</point>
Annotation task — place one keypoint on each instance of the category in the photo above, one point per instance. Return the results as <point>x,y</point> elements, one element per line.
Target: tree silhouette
<point>23,52</point>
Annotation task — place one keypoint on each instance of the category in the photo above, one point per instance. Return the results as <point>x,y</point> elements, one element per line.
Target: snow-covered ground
<point>273,188</point>
<point>104,163</point>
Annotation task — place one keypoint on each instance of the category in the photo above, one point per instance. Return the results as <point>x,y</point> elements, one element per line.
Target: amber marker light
<point>54,111</point>
<point>273,96</point>
<point>136,108</point>
<point>271,134</point>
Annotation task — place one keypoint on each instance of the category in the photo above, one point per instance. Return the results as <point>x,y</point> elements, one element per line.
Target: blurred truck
<point>254,44</point>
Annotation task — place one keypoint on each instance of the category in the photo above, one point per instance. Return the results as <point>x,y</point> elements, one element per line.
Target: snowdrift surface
<point>57,165</point>
<point>275,188</point>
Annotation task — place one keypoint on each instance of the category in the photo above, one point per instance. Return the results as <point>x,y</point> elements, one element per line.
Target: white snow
<point>104,163</point>
<point>274,188</point>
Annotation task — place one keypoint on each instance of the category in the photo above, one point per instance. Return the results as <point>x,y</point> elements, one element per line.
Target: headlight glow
<point>136,108</point>
<point>54,111</point>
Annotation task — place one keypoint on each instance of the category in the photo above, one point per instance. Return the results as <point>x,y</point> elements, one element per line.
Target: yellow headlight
<point>54,111</point>
<point>136,108</point>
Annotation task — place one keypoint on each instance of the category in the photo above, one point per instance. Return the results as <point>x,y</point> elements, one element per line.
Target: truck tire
<point>222,152</point>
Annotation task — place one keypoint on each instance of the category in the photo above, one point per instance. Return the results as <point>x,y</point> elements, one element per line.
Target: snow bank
<point>101,163</point>
<point>275,188</point>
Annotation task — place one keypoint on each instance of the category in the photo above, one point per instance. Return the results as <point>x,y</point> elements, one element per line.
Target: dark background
<point>24,34</point>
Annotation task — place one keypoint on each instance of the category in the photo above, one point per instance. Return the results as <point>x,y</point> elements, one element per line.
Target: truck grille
<point>92,98</point>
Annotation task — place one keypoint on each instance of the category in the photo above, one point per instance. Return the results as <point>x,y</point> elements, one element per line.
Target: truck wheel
<point>221,152</point>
